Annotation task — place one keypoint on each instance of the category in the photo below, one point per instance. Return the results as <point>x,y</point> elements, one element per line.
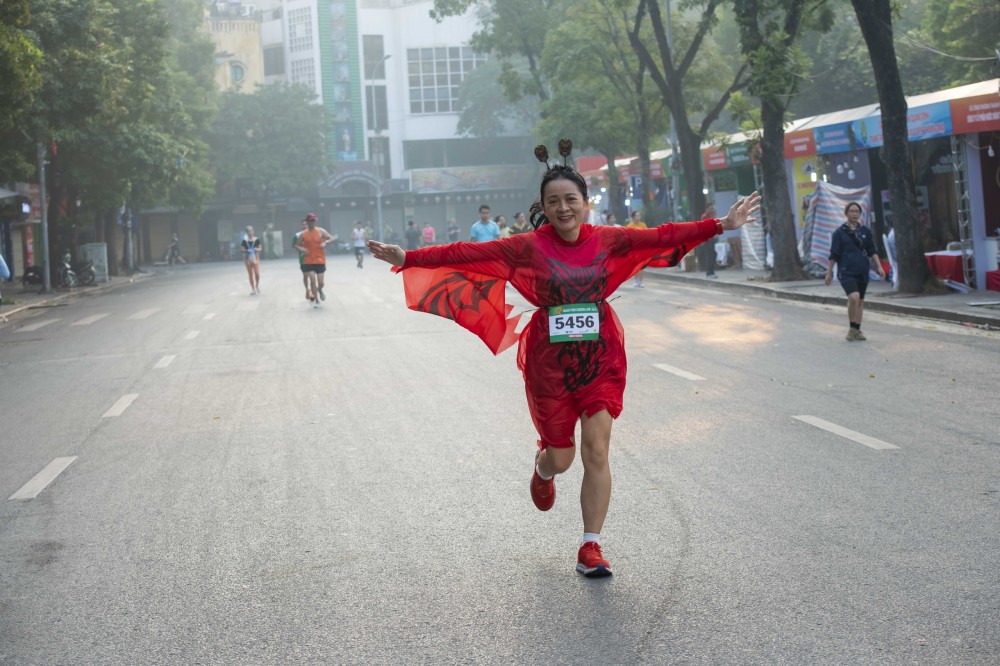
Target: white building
<point>389,76</point>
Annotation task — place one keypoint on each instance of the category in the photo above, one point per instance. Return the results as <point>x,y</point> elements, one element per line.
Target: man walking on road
<point>312,243</point>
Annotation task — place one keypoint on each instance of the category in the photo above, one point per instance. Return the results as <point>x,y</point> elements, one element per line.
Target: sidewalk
<point>952,306</point>
<point>18,299</point>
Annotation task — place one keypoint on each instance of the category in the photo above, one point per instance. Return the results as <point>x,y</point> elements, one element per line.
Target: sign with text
<point>976,114</point>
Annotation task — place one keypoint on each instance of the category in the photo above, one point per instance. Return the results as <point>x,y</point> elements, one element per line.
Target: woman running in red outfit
<point>572,352</point>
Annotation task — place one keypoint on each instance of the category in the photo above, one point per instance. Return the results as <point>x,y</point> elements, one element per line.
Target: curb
<point>78,292</point>
<point>873,305</point>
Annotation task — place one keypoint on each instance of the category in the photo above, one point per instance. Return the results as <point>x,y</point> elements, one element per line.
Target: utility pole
<point>377,148</point>
<point>43,199</point>
<point>675,155</point>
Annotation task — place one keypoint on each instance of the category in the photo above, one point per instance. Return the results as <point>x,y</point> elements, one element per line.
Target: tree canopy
<point>269,143</point>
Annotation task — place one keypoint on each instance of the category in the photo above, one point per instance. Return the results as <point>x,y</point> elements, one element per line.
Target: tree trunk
<point>694,180</point>
<point>777,204</point>
<point>614,194</point>
<point>875,20</point>
<point>110,222</point>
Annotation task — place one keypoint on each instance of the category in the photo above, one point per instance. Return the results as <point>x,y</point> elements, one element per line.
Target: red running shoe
<point>543,493</point>
<point>590,562</point>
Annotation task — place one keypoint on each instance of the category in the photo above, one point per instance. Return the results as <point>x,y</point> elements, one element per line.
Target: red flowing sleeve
<point>677,239</point>
<point>465,282</point>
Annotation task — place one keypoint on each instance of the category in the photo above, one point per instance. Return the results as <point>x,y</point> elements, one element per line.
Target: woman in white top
<point>251,258</point>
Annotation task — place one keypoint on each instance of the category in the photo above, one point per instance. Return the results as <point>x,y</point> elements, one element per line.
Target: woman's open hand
<point>742,212</point>
<point>392,254</point>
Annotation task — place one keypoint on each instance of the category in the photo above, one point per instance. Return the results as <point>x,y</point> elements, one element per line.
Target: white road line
<point>42,479</point>
<point>191,335</point>
<point>677,371</point>
<point>164,362</point>
<point>87,321</point>
<point>121,405</point>
<point>249,305</point>
<point>143,314</point>
<point>845,432</point>
<point>210,315</point>
<point>37,325</point>
<point>195,309</point>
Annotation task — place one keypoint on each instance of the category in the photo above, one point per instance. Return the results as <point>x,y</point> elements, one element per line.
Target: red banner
<point>800,144</point>
<point>975,114</point>
<point>714,158</point>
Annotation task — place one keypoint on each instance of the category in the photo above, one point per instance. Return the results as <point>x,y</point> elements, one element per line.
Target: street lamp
<point>377,144</point>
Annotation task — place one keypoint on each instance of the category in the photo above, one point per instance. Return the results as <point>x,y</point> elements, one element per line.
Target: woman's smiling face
<point>564,207</point>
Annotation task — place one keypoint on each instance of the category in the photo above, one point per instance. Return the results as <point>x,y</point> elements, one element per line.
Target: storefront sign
<point>922,122</point>
<point>800,144</point>
<point>738,155</point>
<point>714,158</point>
<point>845,137</point>
<point>976,114</point>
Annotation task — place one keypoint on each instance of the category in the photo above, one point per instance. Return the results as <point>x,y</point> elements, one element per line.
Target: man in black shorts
<point>312,242</point>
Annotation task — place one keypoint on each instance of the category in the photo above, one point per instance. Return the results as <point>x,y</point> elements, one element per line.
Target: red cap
<point>311,217</point>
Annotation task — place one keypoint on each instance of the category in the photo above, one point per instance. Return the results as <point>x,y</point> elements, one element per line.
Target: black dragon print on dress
<point>454,293</point>
<point>579,361</point>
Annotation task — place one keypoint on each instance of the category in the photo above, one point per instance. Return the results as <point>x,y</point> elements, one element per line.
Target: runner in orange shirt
<point>312,243</point>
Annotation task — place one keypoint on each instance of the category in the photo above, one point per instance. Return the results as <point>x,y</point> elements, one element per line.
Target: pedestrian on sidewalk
<point>706,251</point>
<point>572,352</point>
<point>852,249</point>
<point>251,259</point>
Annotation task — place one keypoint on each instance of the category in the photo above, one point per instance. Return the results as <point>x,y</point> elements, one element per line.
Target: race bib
<point>574,322</point>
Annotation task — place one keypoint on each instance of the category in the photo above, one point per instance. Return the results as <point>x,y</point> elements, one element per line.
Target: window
<point>304,72</point>
<point>274,61</point>
<point>374,50</point>
<point>237,72</point>
<point>376,115</point>
<point>435,75</point>
<point>300,30</point>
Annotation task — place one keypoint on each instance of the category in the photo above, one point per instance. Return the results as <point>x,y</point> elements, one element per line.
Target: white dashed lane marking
<point>852,435</point>
<point>164,362</point>
<point>37,325</point>
<point>144,314</point>
<point>249,305</point>
<point>209,316</point>
<point>191,335</point>
<point>120,405</point>
<point>677,371</point>
<point>38,482</point>
<point>87,321</point>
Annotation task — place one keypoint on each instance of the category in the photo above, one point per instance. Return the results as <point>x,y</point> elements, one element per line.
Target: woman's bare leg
<point>595,491</point>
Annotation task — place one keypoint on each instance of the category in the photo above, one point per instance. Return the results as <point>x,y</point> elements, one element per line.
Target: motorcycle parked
<point>66,276</point>
<point>84,269</point>
<point>33,275</point>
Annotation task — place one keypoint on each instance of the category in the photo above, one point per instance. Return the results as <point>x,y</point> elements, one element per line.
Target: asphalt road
<point>246,480</point>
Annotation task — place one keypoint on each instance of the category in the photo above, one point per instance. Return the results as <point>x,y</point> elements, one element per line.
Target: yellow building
<point>239,59</point>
